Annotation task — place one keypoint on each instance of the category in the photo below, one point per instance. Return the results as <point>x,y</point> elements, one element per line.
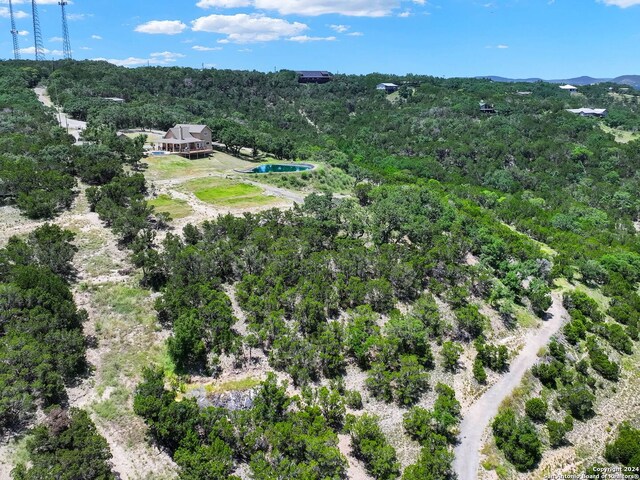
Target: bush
<point>478,371</point>
<point>625,449</point>
<point>370,446</point>
<point>536,409</point>
<point>518,439</point>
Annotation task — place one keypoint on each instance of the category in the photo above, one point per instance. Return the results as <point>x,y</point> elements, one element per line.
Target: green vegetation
<point>324,178</point>
<point>174,207</point>
<point>42,348</point>
<point>67,447</point>
<point>518,439</point>
<point>221,192</point>
<point>451,209</point>
<point>625,449</point>
<point>277,436</point>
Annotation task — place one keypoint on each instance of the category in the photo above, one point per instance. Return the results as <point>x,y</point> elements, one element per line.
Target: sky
<point>551,39</point>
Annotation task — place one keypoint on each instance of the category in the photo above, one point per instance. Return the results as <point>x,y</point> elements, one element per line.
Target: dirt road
<point>478,417</point>
<point>74,127</point>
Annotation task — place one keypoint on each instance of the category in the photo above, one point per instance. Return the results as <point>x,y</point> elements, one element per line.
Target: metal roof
<point>314,73</point>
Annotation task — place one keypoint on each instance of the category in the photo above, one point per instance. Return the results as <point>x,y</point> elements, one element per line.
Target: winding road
<point>74,127</point>
<point>480,414</point>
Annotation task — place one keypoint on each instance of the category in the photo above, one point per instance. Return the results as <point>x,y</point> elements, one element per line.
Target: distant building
<point>388,87</point>
<point>187,140</point>
<point>569,88</point>
<point>487,108</point>
<point>114,99</point>
<point>589,112</point>
<point>312,76</point>
<point>523,93</point>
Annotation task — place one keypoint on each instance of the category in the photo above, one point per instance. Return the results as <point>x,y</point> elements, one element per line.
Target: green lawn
<point>174,207</point>
<point>173,166</point>
<point>230,193</point>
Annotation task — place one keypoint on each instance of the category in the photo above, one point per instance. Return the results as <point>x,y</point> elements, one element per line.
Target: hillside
<point>354,320</point>
<point>632,80</point>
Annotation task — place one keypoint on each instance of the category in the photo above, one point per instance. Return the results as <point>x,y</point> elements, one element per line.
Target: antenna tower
<point>37,33</point>
<point>65,30</point>
<point>14,33</point>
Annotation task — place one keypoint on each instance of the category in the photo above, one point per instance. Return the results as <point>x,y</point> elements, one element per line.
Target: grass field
<point>173,166</point>
<point>228,193</point>
<point>173,206</point>
<point>622,136</point>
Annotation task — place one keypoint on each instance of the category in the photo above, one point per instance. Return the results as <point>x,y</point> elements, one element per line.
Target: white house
<point>388,87</point>
<point>589,112</point>
<point>569,88</point>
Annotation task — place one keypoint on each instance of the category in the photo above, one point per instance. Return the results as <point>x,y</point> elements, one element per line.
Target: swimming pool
<point>276,168</point>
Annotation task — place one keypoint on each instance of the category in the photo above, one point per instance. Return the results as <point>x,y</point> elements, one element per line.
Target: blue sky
<point>515,38</point>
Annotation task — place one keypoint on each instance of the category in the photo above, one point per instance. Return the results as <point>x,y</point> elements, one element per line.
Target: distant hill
<point>632,80</point>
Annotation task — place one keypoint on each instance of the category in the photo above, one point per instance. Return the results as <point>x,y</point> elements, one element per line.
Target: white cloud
<point>162,27</point>
<point>353,8</point>
<point>339,28</point>
<point>405,14</point>
<point>243,28</point>
<point>56,39</point>
<point>46,51</point>
<point>126,62</point>
<point>78,16</point>
<point>306,38</point>
<point>86,48</point>
<point>96,37</point>
<point>4,13</point>
<point>621,3</point>
<point>223,3</point>
<point>355,34</point>
<point>502,46</point>
<point>166,57</point>
<point>157,58</point>
<point>23,33</point>
<point>201,48</point>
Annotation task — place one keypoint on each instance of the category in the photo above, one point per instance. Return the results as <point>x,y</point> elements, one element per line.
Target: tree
<point>578,399</point>
<point>470,321</point>
<point>370,446</point>
<point>518,439</point>
<point>67,447</point>
<point>479,372</point>
<point>625,449</point>
<point>410,381</point>
<point>539,294</point>
<point>536,409</point>
<point>451,352</point>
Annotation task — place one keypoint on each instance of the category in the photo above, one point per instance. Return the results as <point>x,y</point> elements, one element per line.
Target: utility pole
<point>37,33</point>
<point>65,31</point>
<point>14,33</point>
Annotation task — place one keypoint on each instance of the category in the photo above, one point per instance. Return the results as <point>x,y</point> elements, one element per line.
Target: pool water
<point>274,168</point>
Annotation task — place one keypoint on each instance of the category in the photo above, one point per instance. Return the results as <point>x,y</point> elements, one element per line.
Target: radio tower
<point>14,33</point>
<point>65,30</point>
<point>37,34</point>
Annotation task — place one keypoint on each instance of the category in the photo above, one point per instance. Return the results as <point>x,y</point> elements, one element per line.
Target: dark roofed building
<point>313,76</point>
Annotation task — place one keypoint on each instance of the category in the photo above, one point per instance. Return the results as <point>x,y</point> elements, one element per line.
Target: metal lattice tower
<point>14,33</point>
<point>37,33</point>
<point>65,30</point>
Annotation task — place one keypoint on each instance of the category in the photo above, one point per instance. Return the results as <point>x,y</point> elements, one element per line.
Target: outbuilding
<point>388,87</point>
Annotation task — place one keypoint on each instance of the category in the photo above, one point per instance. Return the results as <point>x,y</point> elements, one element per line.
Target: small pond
<point>275,168</point>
